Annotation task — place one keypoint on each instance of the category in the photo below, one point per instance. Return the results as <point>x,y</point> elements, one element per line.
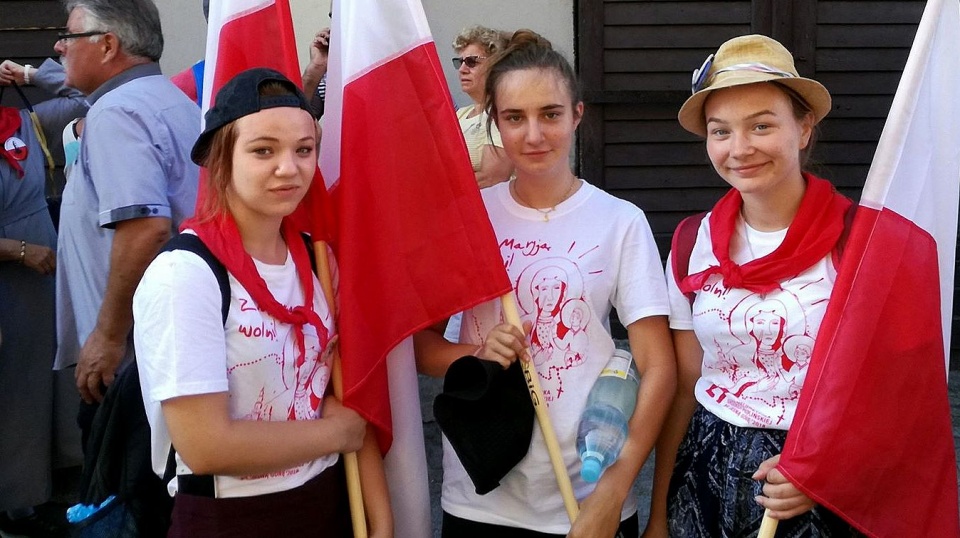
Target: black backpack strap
<point>681,247</point>
<point>192,243</point>
<point>310,252</point>
<point>201,484</point>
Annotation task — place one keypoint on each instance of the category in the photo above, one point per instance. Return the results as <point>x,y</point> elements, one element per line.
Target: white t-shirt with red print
<point>756,348</point>
<point>594,252</point>
<point>184,348</point>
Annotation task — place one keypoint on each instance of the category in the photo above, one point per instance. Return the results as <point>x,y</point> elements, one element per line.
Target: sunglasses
<point>471,61</point>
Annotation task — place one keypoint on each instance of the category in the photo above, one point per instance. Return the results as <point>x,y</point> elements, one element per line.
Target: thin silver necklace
<point>545,211</point>
<point>746,235</point>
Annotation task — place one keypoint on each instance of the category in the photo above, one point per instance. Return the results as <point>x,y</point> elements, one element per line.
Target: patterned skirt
<point>712,493</point>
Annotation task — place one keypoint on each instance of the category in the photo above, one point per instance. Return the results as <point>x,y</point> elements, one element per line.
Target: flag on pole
<point>413,241</point>
<point>412,238</point>
<point>872,438</point>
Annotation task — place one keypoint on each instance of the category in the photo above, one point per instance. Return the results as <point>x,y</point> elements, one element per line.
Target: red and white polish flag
<point>872,438</point>
<point>242,34</point>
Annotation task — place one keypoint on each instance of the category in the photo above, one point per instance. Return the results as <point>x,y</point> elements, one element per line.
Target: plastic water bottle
<point>603,426</point>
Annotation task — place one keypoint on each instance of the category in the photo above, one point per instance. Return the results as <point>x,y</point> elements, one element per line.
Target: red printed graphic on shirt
<point>760,366</point>
<point>550,293</point>
<point>290,388</point>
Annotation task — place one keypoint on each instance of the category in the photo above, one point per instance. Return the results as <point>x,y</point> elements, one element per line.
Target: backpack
<point>117,458</point>
<point>685,236</point>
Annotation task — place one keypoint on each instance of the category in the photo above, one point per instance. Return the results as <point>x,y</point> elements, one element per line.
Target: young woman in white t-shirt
<point>573,252</point>
<point>244,402</point>
<point>747,309</point>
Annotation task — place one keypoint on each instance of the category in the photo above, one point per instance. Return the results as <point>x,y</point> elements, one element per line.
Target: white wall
<point>184,28</point>
<point>184,31</point>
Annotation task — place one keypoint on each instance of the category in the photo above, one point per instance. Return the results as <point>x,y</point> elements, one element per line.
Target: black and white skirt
<point>712,493</point>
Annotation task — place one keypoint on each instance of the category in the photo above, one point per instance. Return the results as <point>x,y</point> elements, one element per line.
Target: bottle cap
<point>590,469</point>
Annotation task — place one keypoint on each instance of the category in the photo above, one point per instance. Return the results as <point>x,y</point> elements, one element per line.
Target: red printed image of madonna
<point>550,295</point>
<point>774,348</point>
<point>297,393</point>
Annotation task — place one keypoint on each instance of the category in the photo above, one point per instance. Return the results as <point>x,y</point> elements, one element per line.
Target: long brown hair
<point>801,110</point>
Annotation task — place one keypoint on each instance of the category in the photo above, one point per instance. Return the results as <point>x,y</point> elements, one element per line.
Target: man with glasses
<point>133,184</point>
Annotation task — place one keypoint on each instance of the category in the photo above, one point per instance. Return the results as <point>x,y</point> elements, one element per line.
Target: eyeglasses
<point>65,37</point>
<point>471,61</point>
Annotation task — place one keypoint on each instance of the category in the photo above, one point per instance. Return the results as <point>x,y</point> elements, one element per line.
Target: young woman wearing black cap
<point>245,401</point>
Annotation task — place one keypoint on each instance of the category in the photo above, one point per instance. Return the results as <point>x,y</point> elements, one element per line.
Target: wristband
<point>23,251</point>
<point>26,73</point>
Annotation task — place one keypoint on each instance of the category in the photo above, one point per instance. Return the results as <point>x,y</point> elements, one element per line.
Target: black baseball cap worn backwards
<point>240,97</point>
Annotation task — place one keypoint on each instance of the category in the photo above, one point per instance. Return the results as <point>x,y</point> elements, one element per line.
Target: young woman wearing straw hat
<point>567,246</point>
<point>761,269</point>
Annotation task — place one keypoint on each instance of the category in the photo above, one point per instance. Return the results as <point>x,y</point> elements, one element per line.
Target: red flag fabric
<point>413,241</point>
<point>242,34</point>
<point>872,438</point>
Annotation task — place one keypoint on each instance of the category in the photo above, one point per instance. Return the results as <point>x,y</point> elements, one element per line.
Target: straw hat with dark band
<point>747,60</point>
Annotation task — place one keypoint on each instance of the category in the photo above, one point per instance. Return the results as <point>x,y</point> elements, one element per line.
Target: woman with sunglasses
<point>474,47</point>
<point>759,270</point>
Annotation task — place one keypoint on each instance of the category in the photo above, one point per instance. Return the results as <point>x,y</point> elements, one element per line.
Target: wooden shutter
<point>635,60</point>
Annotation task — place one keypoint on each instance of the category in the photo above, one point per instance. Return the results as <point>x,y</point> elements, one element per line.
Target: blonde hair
<point>492,41</point>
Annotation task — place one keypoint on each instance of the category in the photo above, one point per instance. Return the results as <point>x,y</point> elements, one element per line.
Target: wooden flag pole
<point>350,463</point>
<point>768,527</point>
<point>512,315</point>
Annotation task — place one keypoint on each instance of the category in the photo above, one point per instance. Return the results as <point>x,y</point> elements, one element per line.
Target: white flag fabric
<point>916,170</point>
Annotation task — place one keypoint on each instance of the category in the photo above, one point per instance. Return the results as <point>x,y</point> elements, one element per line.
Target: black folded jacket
<point>487,416</point>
